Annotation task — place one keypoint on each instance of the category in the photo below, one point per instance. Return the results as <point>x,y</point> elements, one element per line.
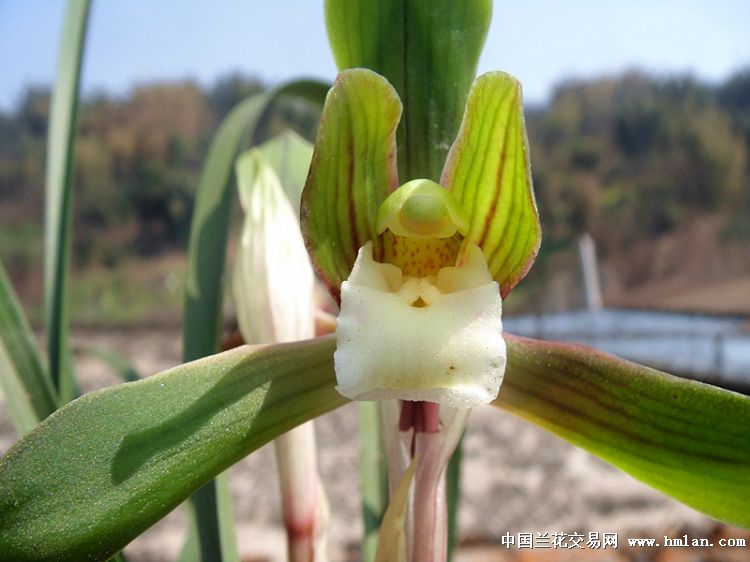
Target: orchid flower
<point>420,270</point>
<point>410,266</point>
<point>273,287</point>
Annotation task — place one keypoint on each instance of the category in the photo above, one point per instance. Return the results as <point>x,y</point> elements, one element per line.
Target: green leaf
<point>206,264</point>
<point>353,169</point>
<point>685,438</point>
<point>191,548</point>
<point>59,180</point>
<point>428,50</point>
<point>104,468</point>
<point>488,171</point>
<point>373,472</point>
<point>210,224</point>
<point>29,395</point>
<point>118,363</point>
<point>289,156</point>
<point>453,495</point>
<point>211,530</point>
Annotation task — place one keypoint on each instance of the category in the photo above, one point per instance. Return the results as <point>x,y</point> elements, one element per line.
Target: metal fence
<point>713,349</point>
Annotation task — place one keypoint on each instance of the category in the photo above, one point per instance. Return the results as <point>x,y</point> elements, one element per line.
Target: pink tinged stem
<point>303,501</point>
<point>406,419</point>
<point>421,416</point>
<point>430,417</point>
<point>430,524</point>
<point>429,538</point>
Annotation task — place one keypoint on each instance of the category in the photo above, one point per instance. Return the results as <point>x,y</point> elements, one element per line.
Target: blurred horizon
<point>653,163</point>
<point>657,170</point>
<point>545,44</point>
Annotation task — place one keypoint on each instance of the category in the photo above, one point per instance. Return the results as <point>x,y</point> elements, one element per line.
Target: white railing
<point>714,349</point>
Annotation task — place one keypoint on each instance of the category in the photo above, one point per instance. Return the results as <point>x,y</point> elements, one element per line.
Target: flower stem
<point>303,501</point>
<point>429,505</point>
<point>421,416</point>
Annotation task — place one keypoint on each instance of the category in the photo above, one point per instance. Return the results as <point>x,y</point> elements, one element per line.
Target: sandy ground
<point>516,478</point>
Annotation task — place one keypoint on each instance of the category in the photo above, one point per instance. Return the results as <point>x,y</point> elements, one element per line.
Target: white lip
<point>450,351</point>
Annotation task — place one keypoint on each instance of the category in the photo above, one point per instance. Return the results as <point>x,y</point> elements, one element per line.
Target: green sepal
<point>101,470</point>
<point>353,169</point>
<point>685,438</point>
<point>488,171</point>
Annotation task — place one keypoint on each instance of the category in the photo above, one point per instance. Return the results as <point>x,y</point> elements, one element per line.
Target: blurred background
<point>638,116</point>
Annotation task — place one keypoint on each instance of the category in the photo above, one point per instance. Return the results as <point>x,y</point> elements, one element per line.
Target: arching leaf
<point>104,468</point>
<point>685,438</point>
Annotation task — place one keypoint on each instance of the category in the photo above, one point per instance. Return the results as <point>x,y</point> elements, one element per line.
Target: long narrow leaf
<point>688,439</point>
<point>118,363</point>
<point>101,470</point>
<point>373,472</point>
<point>191,548</point>
<point>212,522</point>
<point>206,263</point>
<point>60,154</point>
<point>453,495</point>
<point>28,391</point>
<point>428,50</point>
<point>210,226</point>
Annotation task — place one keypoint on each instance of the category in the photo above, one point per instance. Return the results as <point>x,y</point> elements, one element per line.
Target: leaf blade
<point>210,225</point>
<point>29,395</point>
<point>119,364</point>
<point>193,422</point>
<point>59,185</point>
<point>682,437</point>
<point>429,51</point>
<point>373,476</point>
<point>489,172</point>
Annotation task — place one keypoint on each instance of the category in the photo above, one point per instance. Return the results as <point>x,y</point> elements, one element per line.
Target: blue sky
<point>541,42</point>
